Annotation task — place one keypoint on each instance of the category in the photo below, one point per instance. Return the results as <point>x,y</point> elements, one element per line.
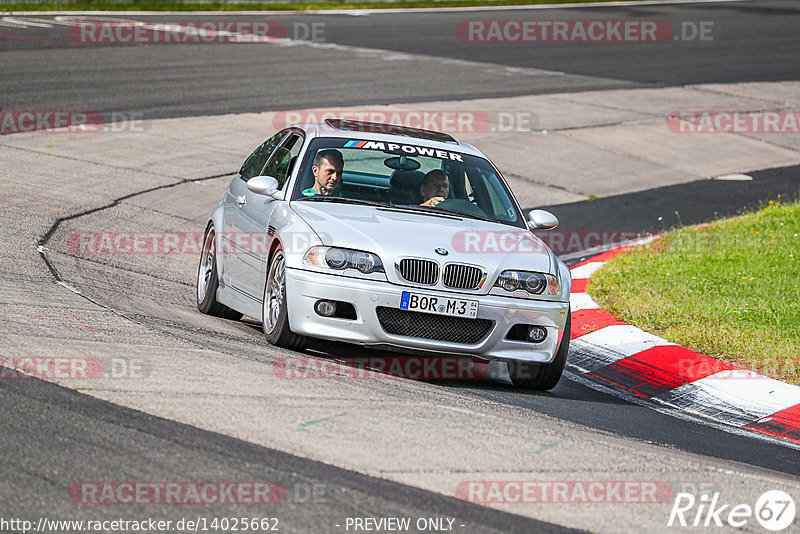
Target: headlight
<point>341,259</point>
<point>532,283</point>
<point>336,258</point>
<point>366,262</point>
<point>509,280</point>
<point>536,283</point>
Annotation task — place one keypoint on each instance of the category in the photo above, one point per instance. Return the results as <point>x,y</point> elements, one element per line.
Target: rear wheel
<point>274,311</point>
<point>542,377</point>
<point>208,281</point>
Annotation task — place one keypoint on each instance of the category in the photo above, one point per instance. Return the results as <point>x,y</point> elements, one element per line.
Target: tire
<point>274,310</point>
<point>542,377</point>
<point>208,281</point>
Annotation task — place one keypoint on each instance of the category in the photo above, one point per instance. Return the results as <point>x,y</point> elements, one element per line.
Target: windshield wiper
<point>345,200</point>
<point>442,212</point>
<point>423,209</point>
<point>470,215</point>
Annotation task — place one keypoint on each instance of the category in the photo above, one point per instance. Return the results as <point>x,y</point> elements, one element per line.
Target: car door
<point>253,220</point>
<point>235,197</point>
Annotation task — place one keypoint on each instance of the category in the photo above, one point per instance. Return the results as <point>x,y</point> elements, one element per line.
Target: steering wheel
<point>460,205</point>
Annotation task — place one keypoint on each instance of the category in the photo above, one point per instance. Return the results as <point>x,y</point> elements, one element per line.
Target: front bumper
<point>305,288</point>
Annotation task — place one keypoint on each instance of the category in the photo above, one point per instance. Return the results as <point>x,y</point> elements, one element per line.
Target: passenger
<point>434,188</point>
<point>327,169</point>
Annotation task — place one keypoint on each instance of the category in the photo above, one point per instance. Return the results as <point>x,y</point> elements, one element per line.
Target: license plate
<point>439,305</point>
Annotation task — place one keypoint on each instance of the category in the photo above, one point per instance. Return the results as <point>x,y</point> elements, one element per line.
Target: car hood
<point>393,234</point>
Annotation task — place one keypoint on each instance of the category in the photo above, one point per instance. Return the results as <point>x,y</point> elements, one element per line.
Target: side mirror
<point>263,185</point>
<point>542,220</point>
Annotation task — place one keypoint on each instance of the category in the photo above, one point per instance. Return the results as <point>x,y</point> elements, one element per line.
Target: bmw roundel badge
<point>442,251</point>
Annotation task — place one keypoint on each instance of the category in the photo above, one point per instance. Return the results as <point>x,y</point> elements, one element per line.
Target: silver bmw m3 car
<point>387,236</point>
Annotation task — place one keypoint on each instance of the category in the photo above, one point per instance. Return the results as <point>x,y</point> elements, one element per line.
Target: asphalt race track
<point>374,448</point>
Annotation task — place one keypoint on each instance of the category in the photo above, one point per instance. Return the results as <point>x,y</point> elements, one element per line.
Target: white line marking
<point>585,271</point>
<point>624,339</point>
<point>69,20</point>
<point>588,357</point>
<point>50,22</point>
<point>734,398</point>
<point>586,253</point>
<point>581,301</point>
<point>734,178</point>
<point>16,22</point>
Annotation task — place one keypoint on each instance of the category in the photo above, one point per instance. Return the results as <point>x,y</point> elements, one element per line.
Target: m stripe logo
<point>354,144</point>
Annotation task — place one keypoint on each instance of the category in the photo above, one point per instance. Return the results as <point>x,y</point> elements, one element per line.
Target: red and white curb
<point>611,352</point>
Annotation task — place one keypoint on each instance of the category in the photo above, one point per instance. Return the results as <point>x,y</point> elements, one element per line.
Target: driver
<point>327,169</point>
<point>434,188</point>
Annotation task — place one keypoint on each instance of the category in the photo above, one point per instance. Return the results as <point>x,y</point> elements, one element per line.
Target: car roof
<point>371,131</point>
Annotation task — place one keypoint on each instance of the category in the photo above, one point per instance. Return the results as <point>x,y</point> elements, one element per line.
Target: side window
<point>282,162</point>
<point>495,201</point>
<point>252,165</point>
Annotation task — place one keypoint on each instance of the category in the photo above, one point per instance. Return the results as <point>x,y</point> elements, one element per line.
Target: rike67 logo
<point>774,510</point>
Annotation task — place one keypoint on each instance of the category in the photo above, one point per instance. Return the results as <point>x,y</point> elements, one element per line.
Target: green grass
<point>155,5</point>
<point>730,290</point>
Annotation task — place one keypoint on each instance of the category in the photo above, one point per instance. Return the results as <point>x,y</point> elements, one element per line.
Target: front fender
<point>565,279</point>
<point>217,219</point>
<point>294,234</point>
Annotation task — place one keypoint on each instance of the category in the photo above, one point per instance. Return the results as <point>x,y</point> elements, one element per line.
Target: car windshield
<point>405,176</point>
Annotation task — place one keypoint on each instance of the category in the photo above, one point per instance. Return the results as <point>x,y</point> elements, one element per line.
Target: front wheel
<point>208,280</point>
<point>542,377</point>
<point>274,311</point>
